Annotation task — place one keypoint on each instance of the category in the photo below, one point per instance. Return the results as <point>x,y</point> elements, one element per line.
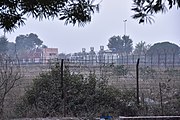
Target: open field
<point>149,80</point>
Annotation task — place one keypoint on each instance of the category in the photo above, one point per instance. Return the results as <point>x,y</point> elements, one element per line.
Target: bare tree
<point>10,73</point>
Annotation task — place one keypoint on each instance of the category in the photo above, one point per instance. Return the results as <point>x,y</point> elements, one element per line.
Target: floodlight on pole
<point>124,26</point>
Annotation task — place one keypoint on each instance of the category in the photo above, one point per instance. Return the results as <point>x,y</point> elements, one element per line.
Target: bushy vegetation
<point>120,70</point>
<point>76,95</point>
<point>147,73</point>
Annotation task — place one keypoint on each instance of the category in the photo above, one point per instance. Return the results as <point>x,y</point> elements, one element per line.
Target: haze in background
<point>107,23</point>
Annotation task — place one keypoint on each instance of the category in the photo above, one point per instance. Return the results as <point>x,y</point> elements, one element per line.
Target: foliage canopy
<point>3,44</point>
<point>13,13</point>
<point>27,42</point>
<point>164,48</point>
<point>145,9</point>
<point>141,48</point>
<point>120,45</point>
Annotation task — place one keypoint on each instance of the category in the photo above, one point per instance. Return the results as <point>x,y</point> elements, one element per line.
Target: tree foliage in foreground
<point>145,9</point>
<point>79,96</point>
<point>13,13</point>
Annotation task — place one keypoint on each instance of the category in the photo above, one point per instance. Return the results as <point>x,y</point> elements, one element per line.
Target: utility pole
<point>124,27</point>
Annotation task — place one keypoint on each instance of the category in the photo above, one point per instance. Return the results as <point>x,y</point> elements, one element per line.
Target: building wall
<point>49,53</point>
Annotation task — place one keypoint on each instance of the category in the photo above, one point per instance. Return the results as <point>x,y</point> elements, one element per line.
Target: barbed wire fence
<point>160,60</point>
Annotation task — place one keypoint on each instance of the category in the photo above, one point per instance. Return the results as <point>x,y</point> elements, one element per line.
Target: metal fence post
<point>137,80</point>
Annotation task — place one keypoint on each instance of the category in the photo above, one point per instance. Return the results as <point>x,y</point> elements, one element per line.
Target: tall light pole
<point>124,27</point>
<point>4,33</point>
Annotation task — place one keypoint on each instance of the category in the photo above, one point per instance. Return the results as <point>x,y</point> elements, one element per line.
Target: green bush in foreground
<point>77,96</point>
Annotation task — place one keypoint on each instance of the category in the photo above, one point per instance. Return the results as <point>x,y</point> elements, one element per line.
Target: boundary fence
<point>161,60</point>
<point>147,60</point>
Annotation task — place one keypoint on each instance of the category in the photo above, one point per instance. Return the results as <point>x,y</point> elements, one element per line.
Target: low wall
<point>151,118</point>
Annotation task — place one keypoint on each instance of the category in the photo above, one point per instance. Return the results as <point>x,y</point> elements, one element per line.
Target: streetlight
<point>124,26</point>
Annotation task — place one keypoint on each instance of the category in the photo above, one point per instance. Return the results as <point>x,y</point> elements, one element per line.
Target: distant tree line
<point>22,45</point>
<point>124,46</point>
<point>117,44</point>
<point>121,51</point>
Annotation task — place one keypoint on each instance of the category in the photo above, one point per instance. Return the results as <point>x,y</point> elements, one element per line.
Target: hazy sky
<point>105,24</point>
